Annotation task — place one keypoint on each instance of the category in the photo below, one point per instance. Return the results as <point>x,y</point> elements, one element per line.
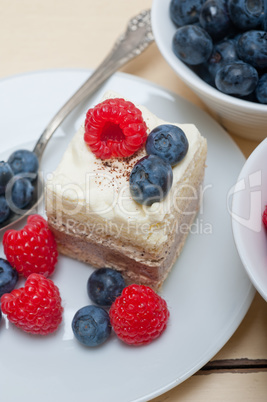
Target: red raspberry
<point>264,217</point>
<point>139,315</point>
<point>36,308</point>
<point>114,128</point>
<point>32,249</point>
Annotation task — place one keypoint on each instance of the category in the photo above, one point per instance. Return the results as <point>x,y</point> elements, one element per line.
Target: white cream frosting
<point>89,189</point>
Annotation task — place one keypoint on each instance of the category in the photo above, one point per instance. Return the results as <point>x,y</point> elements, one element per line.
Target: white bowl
<point>240,117</point>
<point>249,200</point>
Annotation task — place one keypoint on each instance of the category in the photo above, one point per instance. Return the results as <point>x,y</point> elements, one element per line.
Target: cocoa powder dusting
<point>120,167</point>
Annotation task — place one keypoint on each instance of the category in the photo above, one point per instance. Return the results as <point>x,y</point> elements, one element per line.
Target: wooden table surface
<point>46,34</point>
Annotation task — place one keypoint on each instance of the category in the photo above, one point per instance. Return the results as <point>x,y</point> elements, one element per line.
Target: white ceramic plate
<point>249,201</point>
<point>208,291</point>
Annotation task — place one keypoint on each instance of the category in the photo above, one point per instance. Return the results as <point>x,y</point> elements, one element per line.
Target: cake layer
<point>123,258</point>
<point>137,266</point>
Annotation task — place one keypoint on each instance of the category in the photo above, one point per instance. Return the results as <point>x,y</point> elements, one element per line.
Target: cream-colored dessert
<point>95,220</point>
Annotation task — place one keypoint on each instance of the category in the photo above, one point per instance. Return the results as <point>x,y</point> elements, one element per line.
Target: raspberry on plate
<point>114,128</point>
<point>32,249</point>
<point>36,308</point>
<point>139,315</point>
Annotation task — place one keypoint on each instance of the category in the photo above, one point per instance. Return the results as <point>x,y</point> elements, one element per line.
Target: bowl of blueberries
<point>219,49</point>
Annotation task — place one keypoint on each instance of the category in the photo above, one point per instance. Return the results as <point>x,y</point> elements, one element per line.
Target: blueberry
<point>8,277</point>
<point>6,174</point>
<point>246,14</point>
<point>252,48</point>
<point>214,18</point>
<point>24,161</point>
<point>4,209</point>
<point>223,52</point>
<point>21,192</point>
<point>0,315</point>
<point>104,286</point>
<point>168,142</point>
<point>237,78</point>
<point>192,44</point>
<point>91,325</point>
<point>261,89</point>
<point>251,97</point>
<point>150,180</point>
<point>184,12</point>
<point>202,71</point>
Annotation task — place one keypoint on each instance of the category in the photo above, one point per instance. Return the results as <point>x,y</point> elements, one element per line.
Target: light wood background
<point>46,34</point>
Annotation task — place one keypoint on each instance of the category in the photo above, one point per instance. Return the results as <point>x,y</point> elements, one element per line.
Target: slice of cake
<point>96,216</point>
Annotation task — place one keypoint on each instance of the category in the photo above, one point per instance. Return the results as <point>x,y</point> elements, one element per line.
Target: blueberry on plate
<point>24,161</point>
<point>6,174</point>
<point>4,209</point>
<point>91,325</point>
<point>104,286</point>
<point>184,12</point>
<point>8,277</point>
<point>21,192</point>
<point>150,180</point>
<point>169,142</point>
<point>237,78</point>
<point>192,44</point>
<point>261,89</point>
